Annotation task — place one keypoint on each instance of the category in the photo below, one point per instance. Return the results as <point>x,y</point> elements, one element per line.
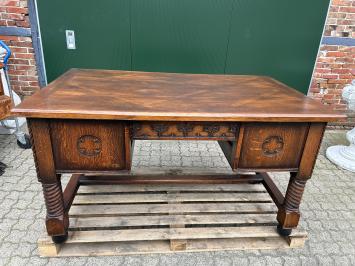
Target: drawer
<point>272,145</point>
<point>88,145</point>
<point>185,130</point>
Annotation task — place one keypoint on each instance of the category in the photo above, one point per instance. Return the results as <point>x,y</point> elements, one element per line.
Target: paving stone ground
<point>328,209</point>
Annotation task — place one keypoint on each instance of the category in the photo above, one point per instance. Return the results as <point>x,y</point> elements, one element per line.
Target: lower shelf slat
<point>181,197</point>
<point>161,220</point>
<point>129,209</point>
<point>139,219</point>
<point>171,233</point>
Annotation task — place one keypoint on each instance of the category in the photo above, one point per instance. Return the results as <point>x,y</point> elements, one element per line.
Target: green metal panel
<point>277,38</point>
<point>102,32</point>
<point>180,35</point>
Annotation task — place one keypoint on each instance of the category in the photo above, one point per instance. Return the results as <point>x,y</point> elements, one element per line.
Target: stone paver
<point>328,209</point>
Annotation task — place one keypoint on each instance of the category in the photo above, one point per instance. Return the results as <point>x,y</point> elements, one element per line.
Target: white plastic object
<point>344,156</point>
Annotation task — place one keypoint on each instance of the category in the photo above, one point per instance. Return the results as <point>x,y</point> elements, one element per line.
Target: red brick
<point>334,8</point>
<point>23,23</point>
<point>15,61</point>
<point>335,54</point>
<point>322,70</point>
<point>28,78</point>
<point>338,81</point>
<point>25,39</point>
<point>346,76</point>
<point>32,88</point>
<point>22,44</point>
<point>329,48</point>
<point>330,76</point>
<point>341,3</point>
<point>17,10</point>
<point>347,9</point>
<point>9,3</point>
<point>23,55</point>
<point>345,22</point>
<point>10,23</point>
<point>7,39</point>
<point>326,59</point>
<point>340,70</point>
<point>344,59</point>
<point>14,16</point>
<point>337,15</point>
<point>11,77</point>
<point>32,62</point>
<point>34,83</point>
<point>18,49</point>
<point>328,96</point>
<point>23,67</point>
<point>20,83</point>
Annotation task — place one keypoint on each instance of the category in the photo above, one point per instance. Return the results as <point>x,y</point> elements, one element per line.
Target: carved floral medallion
<point>89,145</point>
<point>272,146</point>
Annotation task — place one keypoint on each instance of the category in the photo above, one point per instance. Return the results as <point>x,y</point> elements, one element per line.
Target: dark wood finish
<point>238,149</point>
<point>39,130</point>
<point>311,149</point>
<point>80,124</point>
<point>70,191</point>
<point>128,147</point>
<point>5,102</point>
<point>289,214</point>
<point>57,220</point>
<point>272,145</point>
<point>228,148</point>
<point>273,190</point>
<point>170,179</point>
<point>127,95</point>
<point>5,106</point>
<point>185,130</point>
<point>88,145</point>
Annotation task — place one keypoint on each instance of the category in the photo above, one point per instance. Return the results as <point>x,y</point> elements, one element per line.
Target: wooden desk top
<point>127,95</point>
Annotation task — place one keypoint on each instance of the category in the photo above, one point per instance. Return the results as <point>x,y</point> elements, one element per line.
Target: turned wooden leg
<point>57,220</point>
<point>288,215</point>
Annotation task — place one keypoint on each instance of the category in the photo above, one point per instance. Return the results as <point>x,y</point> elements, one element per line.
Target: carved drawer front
<point>272,145</point>
<point>88,145</point>
<point>185,130</point>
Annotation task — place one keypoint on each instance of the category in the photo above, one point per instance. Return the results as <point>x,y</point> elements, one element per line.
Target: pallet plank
<point>130,209</point>
<point>161,246</point>
<point>154,188</point>
<point>128,219</point>
<point>181,197</point>
<point>162,220</point>
<point>171,233</point>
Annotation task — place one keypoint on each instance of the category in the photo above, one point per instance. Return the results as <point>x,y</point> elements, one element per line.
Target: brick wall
<point>22,65</point>
<point>335,66</point>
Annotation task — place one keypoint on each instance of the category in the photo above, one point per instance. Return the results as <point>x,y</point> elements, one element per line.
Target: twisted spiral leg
<point>288,216</point>
<point>56,220</point>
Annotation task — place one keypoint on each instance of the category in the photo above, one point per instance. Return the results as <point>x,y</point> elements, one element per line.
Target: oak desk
<point>85,123</point>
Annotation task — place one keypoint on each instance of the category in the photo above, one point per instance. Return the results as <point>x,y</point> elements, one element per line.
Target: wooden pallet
<point>138,219</point>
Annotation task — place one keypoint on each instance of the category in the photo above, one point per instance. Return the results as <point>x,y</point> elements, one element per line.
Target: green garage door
<point>278,38</point>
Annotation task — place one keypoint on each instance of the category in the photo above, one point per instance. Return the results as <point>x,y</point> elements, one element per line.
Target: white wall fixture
<point>344,156</point>
<point>70,37</point>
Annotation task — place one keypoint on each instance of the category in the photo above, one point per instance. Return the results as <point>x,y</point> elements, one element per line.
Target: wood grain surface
<point>127,95</point>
